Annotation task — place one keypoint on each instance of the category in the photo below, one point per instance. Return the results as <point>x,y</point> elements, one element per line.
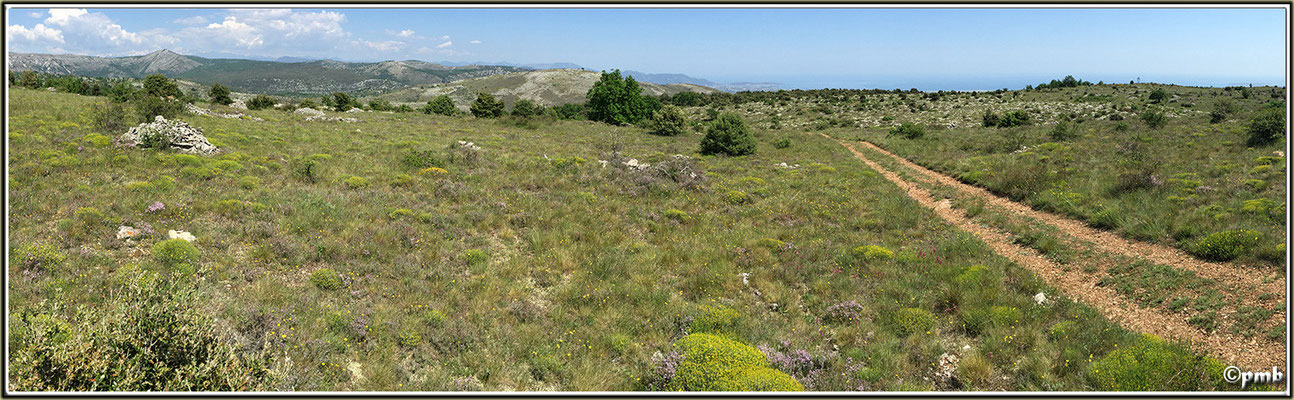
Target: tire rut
<point>1227,347</point>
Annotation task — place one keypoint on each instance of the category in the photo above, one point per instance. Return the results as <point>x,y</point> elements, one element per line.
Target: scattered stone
<point>174,234</point>
<point>635,164</point>
<point>356,371</point>
<point>354,110</point>
<point>331,119</point>
<point>947,366</point>
<point>745,278</point>
<point>786,166</point>
<point>603,162</point>
<point>1040,298</point>
<point>309,112</point>
<point>182,137</point>
<point>202,111</point>
<point>469,145</point>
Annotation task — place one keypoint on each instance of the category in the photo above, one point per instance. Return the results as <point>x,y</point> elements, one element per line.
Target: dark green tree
<point>525,108</point>
<point>219,94</point>
<point>442,105</point>
<point>570,111</point>
<point>161,86</point>
<point>1158,95</point>
<point>343,102</point>
<point>486,106</point>
<point>728,134</point>
<point>29,79</point>
<point>1154,119</point>
<point>687,99</point>
<point>260,102</point>
<point>616,100</point>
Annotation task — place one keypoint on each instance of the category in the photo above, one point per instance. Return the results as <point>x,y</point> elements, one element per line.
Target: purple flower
<point>156,206</point>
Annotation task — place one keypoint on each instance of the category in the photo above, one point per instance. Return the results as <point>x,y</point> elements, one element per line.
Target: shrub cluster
<point>729,135</point>
<point>1226,245</point>
<point>714,363</point>
<point>326,279</point>
<point>668,121</point>
<point>1151,364</point>
<point>174,253</point>
<point>908,130</point>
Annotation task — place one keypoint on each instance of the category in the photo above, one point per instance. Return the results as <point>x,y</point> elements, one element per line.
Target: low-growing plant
<point>715,363</point>
<point>326,279</point>
<point>1266,128</point>
<point>908,130</point>
<point>174,253</point>
<point>668,121</point>
<point>355,182</point>
<point>475,257</point>
<point>37,257</point>
<point>260,102</point>
<point>1152,364</point>
<point>676,215</point>
<point>718,320</point>
<point>736,197</point>
<point>1226,245</point>
<point>914,321</point>
<point>1154,119</point>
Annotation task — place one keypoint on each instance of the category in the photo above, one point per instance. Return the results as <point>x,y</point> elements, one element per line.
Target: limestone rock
<point>309,112</point>
<point>182,137</point>
<point>173,234</point>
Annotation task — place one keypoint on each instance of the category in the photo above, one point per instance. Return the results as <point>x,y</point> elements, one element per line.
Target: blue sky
<point>924,48</point>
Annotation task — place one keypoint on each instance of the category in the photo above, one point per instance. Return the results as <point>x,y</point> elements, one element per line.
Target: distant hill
<point>272,77</point>
<point>546,87</point>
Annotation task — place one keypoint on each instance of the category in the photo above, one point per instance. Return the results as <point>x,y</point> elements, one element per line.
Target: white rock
<point>310,112</point>
<point>1040,298</point>
<point>174,234</point>
<point>126,232</point>
<point>183,137</point>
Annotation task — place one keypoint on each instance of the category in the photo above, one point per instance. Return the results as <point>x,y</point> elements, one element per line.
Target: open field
<point>385,255</point>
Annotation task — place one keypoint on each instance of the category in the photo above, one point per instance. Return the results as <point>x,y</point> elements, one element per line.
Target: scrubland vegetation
<point>730,250</point>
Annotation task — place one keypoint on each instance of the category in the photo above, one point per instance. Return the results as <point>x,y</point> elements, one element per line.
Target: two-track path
<point>1250,353</point>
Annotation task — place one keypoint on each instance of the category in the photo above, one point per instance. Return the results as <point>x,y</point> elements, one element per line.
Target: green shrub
<point>617,100</point>
<point>1151,364</point>
<point>668,121</point>
<point>1062,131</point>
<point>1226,245</point>
<point>676,215</point>
<point>914,320</point>
<point>908,130</point>
<point>1004,315</point>
<point>409,337</point>
<point>326,279</point>
<point>402,180</point>
<point>1154,119</point>
<point>782,142</point>
<point>526,108</point>
<point>355,182</point>
<point>736,197</point>
<point>158,85</point>
<point>771,244</point>
<point>400,213</point>
<point>219,94</point>
<point>714,363</point>
<point>249,182</point>
<point>1158,95</point>
<point>152,337</point>
<point>717,319</point>
<point>260,102</point>
<point>1267,127</point>
<point>147,108</point>
<point>873,252</point>
<point>174,253</point>
<point>442,105</point>
<point>475,256</point>
<point>37,257</point>
<point>486,106</point>
<point>87,220</point>
<point>97,140</point>
<point>435,318</point>
<point>974,275</point>
<point>1062,330</point>
<point>729,135</point>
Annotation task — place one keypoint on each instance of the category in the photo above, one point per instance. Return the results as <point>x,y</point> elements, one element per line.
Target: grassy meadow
<point>384,255</point>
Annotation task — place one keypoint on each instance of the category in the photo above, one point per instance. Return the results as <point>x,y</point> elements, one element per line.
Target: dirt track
<point>1250,353</point>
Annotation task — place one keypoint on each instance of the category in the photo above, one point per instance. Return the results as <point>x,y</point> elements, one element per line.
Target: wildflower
<point>156,206</point>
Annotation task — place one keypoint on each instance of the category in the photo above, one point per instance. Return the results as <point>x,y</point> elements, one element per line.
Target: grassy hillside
<point>546,87</point>
<point>380,255</point>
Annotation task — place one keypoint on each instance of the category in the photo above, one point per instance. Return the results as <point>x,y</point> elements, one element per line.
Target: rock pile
<point>202,111</point>
<point>180,135</point>
<point>325,118</point>
<point>309,112</point>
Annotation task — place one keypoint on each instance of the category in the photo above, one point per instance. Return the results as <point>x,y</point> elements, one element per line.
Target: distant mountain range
<point>303,76</point>
<point>257,76</point>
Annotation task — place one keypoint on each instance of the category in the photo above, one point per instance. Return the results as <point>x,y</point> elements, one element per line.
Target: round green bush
<point>326,279</point>
<point>972,276</point>
<point>1151,364</point>
<point>717,319</point>
<point>728,134</point>
<point>475,256</point>
<point>1267,127</point>
<point>667,121</point>
<point>409,337</point>
<point>356,182</point>
<point>175,252</point>
<point>402,180</point>
<point>736,197</point>
<point>715,363</point>
<point>1226,245</point>
<point>873,252</point>
<point>914,320</point>
<point>676,215</point>
<point>1004,316</point>
<point>770,244</point>
<point>908,130</point>
<point>435,318</point>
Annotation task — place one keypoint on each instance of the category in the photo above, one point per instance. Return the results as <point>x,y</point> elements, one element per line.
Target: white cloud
<point>38,33</point>
<point>406,33</point>
<point>475,42</point>
<point>85,32</point>
<point>194,20</point>
<point>62,16</point>
<point>446,37</point>
<point>444,45</point>
<point>35,14</point>
<point>242,34</point>
<point>384,46</point>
